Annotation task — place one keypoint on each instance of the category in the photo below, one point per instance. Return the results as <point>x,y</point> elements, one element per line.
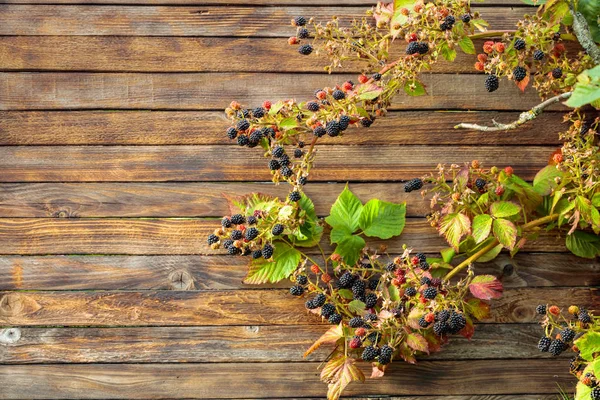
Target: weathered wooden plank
<point>203,20</point>
<point>208,163</point>
<point>226,273</point>
<point>367,3</point>
<point>237,307</point>
<point>210,91</point>
<point>231,344</point>
<point>248,380</point>
<point>31,236</point>
<point>202,128</point>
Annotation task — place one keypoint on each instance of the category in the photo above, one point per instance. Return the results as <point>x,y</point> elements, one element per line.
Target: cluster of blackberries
<point>328,310</point>
<point>251,138</point>
<point>413,184</point>
<point>448,23</point>
<point>417,48</point>
<point>281,162</point>
<point>298,289</point>
<point>383,354</point>
<point>448,322</point>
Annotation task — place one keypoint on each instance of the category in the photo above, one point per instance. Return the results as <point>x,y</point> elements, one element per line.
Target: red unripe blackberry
<point>363,79</point>
<point>557,73</point>
<point>267,251</point>
<point>412,185</point>
<point>266,105</point>
<point>338,94</point>
<point>321,95</point>
<point>305,49</point>
<point>519,73</point>
<point>411,37</point>
<point>430,293</point>
<point>303,33</point>
<point>355,343</point>
<point>492,83</point>
<point>370,353</point>
<point>295,196</point>
<point>356,322</point>
<point>296,290</point>
<point>347,86</point>
<point>312,106</point>
<point>554,310</point>
<point>212,239</point>
<point>327,310</point>
<point>293,40</point>
<point>335,319</point>
<point>277,230</point>
<point>544,344</point>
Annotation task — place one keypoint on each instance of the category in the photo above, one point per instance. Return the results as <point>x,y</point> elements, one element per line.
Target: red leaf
<point>468,330</point>
<point>478,309</point>
<point>486,287</point>
<point>523,84</point>
<point>417,342</point>
<point>378,371</point>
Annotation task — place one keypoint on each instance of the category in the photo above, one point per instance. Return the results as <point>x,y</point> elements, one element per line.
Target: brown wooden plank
<point>203,20</point>
<point>207,163</point>
<point>231,344</point>
<point>210,91</point>
<point>201,128</point>
<point>367,3</point>
<point>237,307</point>
<point>117,381</point>
<point>31,236</point>
<point>226,273</point>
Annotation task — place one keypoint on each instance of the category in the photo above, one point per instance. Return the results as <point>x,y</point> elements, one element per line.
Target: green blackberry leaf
<point>285,261</point>
<point>382,219</point>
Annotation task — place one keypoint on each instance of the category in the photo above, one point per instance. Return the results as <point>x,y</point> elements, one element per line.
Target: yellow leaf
<point>329,337</point>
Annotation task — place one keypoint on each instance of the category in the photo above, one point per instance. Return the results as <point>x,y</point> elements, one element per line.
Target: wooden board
<point>215,91</point>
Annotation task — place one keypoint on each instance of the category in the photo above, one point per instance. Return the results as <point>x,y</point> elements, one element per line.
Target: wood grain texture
<point>227,273</point>
<point>367,3</point>
<point>235,344</point>
<point>202,20</point>
<point>156,236</point>
<point>116,381</point>
<point>214,91</point>
<point>207,163</point>
<point>208,128</point>
<point>237,307</point>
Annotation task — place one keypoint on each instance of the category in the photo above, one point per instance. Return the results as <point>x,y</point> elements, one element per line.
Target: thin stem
<point>523,118</point>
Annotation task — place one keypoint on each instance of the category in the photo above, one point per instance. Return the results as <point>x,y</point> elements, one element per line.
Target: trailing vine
<point>385,307</point>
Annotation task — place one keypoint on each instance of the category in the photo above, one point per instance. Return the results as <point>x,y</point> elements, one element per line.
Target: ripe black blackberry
<point>556,36</point>
<point>269,132</point>
<point>544,344</point>
<point>227,243</point>
<point>541,309</point>
<point>424,266</point>
<point>243,125</point>
<point>410,292</point>
<point>440,328</point>
<point>301,280</point>
<point>319,131</point>
<point>310,305</point>
<point>251,233</point>
<point>333,128</point>
<point>373,337</point>
<point>251,220</point>
<point>450,20</point>
<point>369,353</point>
<point>442,316</point>
<point>274,165</point>
<point>243,113</point>
<point>422,257</point>
<point>584,317</point>
<point>237,219</point>
<point>300,21</point>
<point>225,222</point>
<point>319,300</point>
<point>385,354</point>
<point>256,136</point>
<point>557,73</point>
<point>278,151</point>
<point>538,55</point>
<point>376,76</point>
<point>567,335</point>
<point>246,251</point>
<point>258,112</point>
<point>595,395</point>
<point>256,254</point>
<point>335,319</point>
<point>277,230</point>
<point>371,300</point>
<point>423,48</point>
<point>430,293</point>
<point>286,172</point>
<point>296,290</point>
<point>423,322</point>
<point>295,196</point>
<point>356,322</point>
<point>466,18</point>
<point>327,310</point>
<point>232,250</point>
<point>305,49</point>
<point>366,122</point>
<point>236,235</point>
<point>231,133</point>
<point>412,48</point>
<point>303,33</point>
<point>390,267</point>
<point>338,94</point>
<point>243,140</point>
<point>343,122</point>
<point>412,185</point>
<point>456,322</point>
<point>313,106</point>
<point>371,317</point>
<point>346,280</point>
<point>298,153</point>
<point>557,347</point>
<point>302,180</point>
<point>519,44</point>
<point>284,160</point>
<point>492,83</point>
<point>480,183</point>
<point>212,239</point>
<point>519,73</point>
<point>267,251</point>
<point>373,283</point>
<point>425,281</point>
<point>358,288</point>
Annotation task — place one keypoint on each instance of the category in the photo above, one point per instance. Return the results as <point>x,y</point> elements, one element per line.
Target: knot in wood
<point>9,336</point>
<point>11,305</point>
<point>508,269</point>
<point>181,280</point>
<point>253,329</point>
<point>61,214</point>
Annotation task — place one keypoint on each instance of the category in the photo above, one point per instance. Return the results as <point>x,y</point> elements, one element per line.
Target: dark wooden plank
<point>117,381</point>
<point>238,307</point>
<point>231,344</point>
<point>203,20</point>
<point>201,128</point>
<point>367,3</point>
<point>31,236</point>
<point>226,273</point>
<point>207,163</point>
<point>210,91</point>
